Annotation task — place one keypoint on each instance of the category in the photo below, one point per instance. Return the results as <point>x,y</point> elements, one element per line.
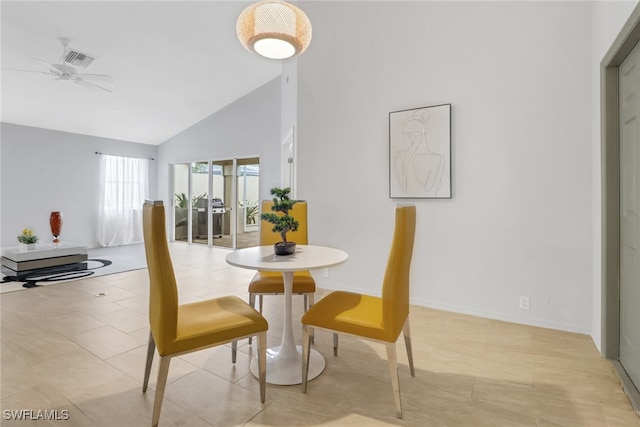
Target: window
<point>124,186</point>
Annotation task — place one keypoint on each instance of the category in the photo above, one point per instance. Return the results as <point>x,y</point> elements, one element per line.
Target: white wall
<point>249,127</point>
<point>608,18</point>
<point>44,170</point>
<point>518,76</point>
<point>289,108</point>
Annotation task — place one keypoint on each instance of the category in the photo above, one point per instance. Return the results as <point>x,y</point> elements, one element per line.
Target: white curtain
<point>124,186</point>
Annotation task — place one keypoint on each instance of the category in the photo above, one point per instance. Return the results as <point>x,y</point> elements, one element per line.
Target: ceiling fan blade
<point>88,84</point>
<point>26,71</point>
<point>51,66</point>
<point>102,77</point>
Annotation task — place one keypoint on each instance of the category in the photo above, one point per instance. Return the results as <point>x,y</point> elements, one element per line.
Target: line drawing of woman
<point>417,163</point>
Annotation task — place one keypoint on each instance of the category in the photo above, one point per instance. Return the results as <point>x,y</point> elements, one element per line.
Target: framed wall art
<point>420,153</point>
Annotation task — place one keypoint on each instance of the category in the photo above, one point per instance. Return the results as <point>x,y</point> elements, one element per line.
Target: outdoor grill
<point>217,211</point>
<point>217,206</point>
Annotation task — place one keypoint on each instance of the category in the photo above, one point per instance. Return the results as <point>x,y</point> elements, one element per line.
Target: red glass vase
<point>55,222</point>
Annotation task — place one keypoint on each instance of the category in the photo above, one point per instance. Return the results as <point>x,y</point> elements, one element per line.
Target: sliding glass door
<point>199,200</point>
<point>216,202</point>
<point>181,202</point>
<point>248,212</point>
<point>222,204</point>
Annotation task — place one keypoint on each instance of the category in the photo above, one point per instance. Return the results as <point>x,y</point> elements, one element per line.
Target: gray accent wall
<point>45,170</point>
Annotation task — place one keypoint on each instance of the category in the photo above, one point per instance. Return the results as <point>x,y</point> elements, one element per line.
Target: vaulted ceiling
<point>172,64</point>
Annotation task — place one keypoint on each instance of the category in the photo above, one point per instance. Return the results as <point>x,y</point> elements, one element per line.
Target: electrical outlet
<point>325,272</point>
<point>524,303</point>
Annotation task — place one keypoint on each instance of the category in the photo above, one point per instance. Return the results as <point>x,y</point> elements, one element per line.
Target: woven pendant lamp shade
<point>274,29</point>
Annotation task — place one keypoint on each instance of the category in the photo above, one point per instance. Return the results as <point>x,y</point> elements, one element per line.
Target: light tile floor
<point>63,347</point>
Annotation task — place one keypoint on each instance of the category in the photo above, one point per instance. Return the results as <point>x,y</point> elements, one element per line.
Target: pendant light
<point>274,29</point>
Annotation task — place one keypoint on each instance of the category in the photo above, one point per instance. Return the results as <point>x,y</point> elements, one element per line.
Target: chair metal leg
<point>151,348</point>
<point>160,386</point>
<point>252,303</point>
<point>262,364</point>
<point>311,300</point>
<point>234,351</point>
<point>306,350</point>
<point>308,303</point>
<point>335,344</point>
<point>393,369</point>
<point>406,330</point>
<point>260,302</point>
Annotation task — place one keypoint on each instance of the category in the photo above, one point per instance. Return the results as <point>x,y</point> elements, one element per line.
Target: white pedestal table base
<point>288,370</point>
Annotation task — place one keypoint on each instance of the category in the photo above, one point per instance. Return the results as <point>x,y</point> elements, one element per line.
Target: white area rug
<point>122,258</point>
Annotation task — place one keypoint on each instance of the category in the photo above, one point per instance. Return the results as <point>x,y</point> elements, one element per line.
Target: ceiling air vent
<point>78,59</point>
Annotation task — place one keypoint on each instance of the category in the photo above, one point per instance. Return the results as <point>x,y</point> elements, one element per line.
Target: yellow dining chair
<point>271,282</point>
<point>183,328</point>
<point>378,319</point>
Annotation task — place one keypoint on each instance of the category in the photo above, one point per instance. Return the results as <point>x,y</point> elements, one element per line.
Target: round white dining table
<point>284,362</point>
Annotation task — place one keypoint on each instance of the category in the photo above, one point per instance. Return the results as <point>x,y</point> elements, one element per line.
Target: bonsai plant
<point>282,223</point>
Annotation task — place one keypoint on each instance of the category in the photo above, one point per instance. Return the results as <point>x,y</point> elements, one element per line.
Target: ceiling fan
<point>66,72</point>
